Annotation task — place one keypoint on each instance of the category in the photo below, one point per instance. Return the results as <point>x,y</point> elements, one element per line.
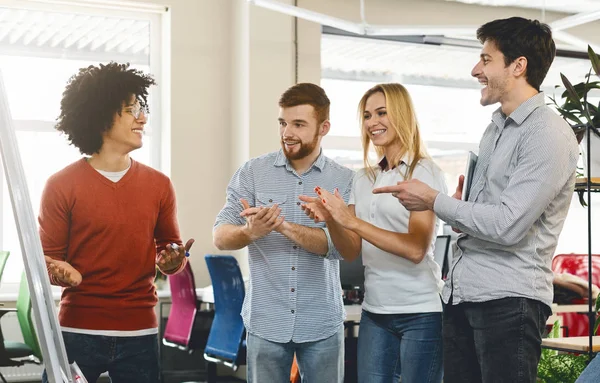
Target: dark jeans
<point>495,341</point>
<point>127,359</point>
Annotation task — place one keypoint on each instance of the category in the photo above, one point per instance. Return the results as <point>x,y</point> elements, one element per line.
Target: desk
<point>205,295</point>
<point>353,313</point>
<point>575,343</point>
<point>581,308</point>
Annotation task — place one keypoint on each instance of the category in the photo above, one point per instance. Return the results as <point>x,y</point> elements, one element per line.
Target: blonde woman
<point>401,324</point>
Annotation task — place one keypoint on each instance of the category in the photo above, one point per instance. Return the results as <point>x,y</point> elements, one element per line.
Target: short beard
<point>305,149</point>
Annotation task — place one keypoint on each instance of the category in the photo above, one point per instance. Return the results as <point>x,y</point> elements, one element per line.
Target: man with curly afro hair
<point>106,223</point>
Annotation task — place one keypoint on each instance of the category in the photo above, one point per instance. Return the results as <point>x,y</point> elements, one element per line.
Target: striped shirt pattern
<point>293,295</point>
<point>520,195</point>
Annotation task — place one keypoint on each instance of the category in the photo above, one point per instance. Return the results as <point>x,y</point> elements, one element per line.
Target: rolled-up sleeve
<point>240,186</point>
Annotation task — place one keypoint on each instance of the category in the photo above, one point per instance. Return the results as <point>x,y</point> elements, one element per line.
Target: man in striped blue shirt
<point>499,292</point>
<point>294,300</point>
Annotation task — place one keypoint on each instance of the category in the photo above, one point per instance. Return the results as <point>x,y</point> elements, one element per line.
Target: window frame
<point>159,63</point>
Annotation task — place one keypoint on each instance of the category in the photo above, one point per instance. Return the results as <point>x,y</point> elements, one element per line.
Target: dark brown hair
<point>307,94</point>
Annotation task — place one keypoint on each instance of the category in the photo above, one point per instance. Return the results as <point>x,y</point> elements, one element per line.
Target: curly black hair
<point>93,96</point>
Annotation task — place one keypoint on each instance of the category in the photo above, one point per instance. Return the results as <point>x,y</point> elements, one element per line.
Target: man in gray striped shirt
<point>499,292</point>
<point>293,304</point>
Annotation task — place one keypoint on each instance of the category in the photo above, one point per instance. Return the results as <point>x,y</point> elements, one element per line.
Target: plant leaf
<point>595,60</point>
<point>570,91</point>
<point>566,114</point>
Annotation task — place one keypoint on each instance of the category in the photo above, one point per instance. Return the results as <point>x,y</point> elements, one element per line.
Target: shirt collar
<point>281,160</point>
<point>520,114</point>
<point>383,163</point>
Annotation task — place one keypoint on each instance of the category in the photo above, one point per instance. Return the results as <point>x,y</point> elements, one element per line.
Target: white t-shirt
<point>394,285</point>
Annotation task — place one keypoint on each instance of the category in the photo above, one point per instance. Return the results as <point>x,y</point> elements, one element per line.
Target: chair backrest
<point>3,258</point>
<point>577,264</point>
<point>440,253</point>
<point>183,309</point>
<point>25,320</point>
<point>227,330</point>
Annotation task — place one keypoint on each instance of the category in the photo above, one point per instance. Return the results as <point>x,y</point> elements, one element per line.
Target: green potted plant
<point>581,114</point>
<point>561,367</point>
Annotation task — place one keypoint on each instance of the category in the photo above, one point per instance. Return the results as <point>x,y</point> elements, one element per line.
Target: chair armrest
<point>4,310</point>
<point>3,355</point>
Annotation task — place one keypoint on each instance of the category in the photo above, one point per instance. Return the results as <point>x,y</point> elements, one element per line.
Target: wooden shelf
<point>579,308</point>
<point>581,184</point>
<point>573,344</point>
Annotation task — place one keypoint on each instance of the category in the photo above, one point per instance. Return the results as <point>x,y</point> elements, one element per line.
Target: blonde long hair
<point>401,114</point>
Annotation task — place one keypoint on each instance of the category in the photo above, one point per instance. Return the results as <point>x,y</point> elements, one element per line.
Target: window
<point>41,49</point>
<point>446,99</point>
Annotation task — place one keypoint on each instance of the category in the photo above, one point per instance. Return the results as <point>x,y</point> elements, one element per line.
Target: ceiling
<point>73,36</point>
<point>565,6</point>
<point>356,58</point>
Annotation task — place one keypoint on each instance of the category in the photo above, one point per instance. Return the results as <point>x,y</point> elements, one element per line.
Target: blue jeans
<point>127,359</point>
<point>495,341</point>
<point>320,361</point>
<point>391,346</point>
<point>591,374</point>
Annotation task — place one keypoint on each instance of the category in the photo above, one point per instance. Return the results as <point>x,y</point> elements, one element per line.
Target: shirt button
<point>295,247</point>
<point>270,200</point>
<point>292,311</point>
<point>293,268</point>
<point>300,183</point>
<point>298,203</point>
<point>293,289</point>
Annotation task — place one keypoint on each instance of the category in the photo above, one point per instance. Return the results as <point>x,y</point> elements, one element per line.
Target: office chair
<point>226,341</point>
<point>187,326</point>
<point>15,353</point>
<point>184,307</point>
<point>576,324</point>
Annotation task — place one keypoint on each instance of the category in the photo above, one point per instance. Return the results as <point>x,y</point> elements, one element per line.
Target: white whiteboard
<point>46,320</point>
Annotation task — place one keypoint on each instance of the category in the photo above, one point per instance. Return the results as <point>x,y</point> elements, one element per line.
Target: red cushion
<point>577,264</point>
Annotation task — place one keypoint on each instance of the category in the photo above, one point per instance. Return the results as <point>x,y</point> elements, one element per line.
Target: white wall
<point>230,61</point>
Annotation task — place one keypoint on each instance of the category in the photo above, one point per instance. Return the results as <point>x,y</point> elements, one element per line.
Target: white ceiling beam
<point>14,20</point>
<point>574,41</point>
<point>131,33</point>
<point>112,33</point>
<point>95,33</point>
<point>416,30</point>
<point>127,43</point>
<point>309,15</point>
<point>363,28</point>
<point>39,28</point>
<point>143,45</point>
<point>59,30</point>
<point>574,20</point>
<point>20,29</point>
<point>77,33</point>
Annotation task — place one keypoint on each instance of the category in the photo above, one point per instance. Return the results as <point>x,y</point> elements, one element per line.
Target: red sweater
<point>111,233</point>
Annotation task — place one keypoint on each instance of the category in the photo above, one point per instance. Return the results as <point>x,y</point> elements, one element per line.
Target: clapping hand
<point>313,207</point>
<point>333,208</point>
<point>261,220</point>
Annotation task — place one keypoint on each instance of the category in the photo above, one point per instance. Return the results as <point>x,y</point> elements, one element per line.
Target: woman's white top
<point>394,285</point>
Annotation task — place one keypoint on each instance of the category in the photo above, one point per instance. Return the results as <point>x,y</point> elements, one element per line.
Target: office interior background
<point>221,66</point>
